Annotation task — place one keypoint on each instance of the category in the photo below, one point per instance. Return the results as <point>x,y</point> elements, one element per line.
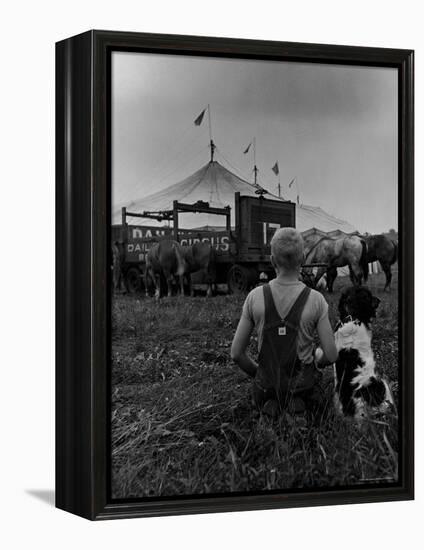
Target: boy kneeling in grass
<point>287,315</point>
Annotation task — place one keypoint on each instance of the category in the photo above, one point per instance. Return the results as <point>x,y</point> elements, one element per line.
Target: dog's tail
<point>363,261</point>
<point>389,394</point>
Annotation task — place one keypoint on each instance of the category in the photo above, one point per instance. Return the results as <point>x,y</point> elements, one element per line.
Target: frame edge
<point>74,485</point>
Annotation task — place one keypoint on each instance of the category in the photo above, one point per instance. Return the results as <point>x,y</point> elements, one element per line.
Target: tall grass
<point>182,421</point>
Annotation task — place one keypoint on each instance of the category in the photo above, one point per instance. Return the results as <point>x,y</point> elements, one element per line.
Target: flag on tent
<point>292,181</point>
<point>247,148</point>
<point>199,119</point>
<point>275,169</point>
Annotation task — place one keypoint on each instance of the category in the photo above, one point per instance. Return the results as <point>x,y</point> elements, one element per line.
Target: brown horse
<point>165,259</point>
<point>385,251</point>
<point>200,257</point>
<point>350,250</point>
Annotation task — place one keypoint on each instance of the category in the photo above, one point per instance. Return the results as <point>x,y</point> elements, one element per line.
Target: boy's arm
<point>238,348</point>
<point>328,344</point>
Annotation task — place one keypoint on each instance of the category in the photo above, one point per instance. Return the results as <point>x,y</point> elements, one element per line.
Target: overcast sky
<point>332,127</point>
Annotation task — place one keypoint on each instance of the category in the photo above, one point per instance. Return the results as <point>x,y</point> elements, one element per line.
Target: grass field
<point>182,422</point>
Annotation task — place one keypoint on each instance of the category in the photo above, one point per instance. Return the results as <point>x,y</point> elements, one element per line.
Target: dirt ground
<point>182,422</point>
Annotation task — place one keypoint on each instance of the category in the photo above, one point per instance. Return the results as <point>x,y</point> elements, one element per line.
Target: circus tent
<point>215,184</point>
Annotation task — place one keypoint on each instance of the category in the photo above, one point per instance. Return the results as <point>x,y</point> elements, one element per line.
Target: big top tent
<point>215,184</point>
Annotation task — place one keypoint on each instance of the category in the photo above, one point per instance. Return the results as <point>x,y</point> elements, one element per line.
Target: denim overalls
<point>281,375</point>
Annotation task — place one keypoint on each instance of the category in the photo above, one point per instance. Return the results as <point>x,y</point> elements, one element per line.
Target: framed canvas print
<point>234,274</point>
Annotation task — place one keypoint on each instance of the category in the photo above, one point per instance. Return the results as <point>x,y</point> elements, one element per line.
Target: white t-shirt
<point>285,295</point>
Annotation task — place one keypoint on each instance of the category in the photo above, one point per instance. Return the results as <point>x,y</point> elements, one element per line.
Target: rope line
<point>243,176</point>
<point>180,165</point>
<point>240,173</point>
<point>163,168</point>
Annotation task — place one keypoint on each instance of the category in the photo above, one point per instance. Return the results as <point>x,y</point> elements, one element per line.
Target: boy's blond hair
<point>287,248</point>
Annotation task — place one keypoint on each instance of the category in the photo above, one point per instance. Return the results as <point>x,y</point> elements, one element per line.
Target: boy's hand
<point>247,364</point>
<point>319,355</point>
<point>239,346</point>
<point>320,358</point>
<point>326,338</point>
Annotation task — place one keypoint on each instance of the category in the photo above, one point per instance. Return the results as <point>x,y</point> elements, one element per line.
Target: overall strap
<point>293,316</point>
<point>271,314</point>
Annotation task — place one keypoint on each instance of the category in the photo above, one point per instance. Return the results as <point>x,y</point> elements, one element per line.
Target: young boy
<point>287,315</point>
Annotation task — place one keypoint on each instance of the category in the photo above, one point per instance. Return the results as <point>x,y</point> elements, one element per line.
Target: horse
<point>350,250</point>
<point>385,251</point>
<point>200,256</point>
<point>165,260</point>
<point>117,261</point>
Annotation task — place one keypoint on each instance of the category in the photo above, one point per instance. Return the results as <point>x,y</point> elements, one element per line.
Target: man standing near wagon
<point>286,315</point>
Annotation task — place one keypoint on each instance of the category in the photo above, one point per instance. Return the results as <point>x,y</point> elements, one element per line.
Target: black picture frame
<point>82,274</point>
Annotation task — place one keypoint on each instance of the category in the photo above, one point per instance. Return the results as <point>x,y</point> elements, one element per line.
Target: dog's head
<point>359,303</point>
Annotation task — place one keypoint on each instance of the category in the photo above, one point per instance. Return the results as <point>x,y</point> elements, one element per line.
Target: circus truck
<point>241,241</point>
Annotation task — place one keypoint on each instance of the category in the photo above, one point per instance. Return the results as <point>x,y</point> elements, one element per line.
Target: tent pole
<point>124,230</point>
<point>212,144</point>
<point>175,220</point>
<point>255,168</point>
<point>210,125</point>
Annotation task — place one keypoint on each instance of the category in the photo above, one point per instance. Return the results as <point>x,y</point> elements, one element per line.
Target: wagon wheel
<point>133,280</point>
<point>239,279</point>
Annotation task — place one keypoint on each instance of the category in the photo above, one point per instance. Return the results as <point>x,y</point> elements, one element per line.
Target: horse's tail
<point>212,264</point>
<point>395,253</point>
<point>363,261</point>
<point>181,264</point>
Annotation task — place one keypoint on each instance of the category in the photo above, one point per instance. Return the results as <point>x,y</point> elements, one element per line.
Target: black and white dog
<point>359,389</point>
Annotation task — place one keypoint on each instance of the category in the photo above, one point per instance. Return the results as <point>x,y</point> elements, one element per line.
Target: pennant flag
<point>292,181</point>
<point>199,119</point>
<point>275,169</point>
<point>247,148</point>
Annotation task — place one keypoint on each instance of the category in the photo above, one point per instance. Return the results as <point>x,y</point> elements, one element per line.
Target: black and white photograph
<point>211,240</point>
<point>254,262</point>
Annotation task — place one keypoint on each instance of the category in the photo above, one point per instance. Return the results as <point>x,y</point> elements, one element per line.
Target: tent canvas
<point>215,184</point>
